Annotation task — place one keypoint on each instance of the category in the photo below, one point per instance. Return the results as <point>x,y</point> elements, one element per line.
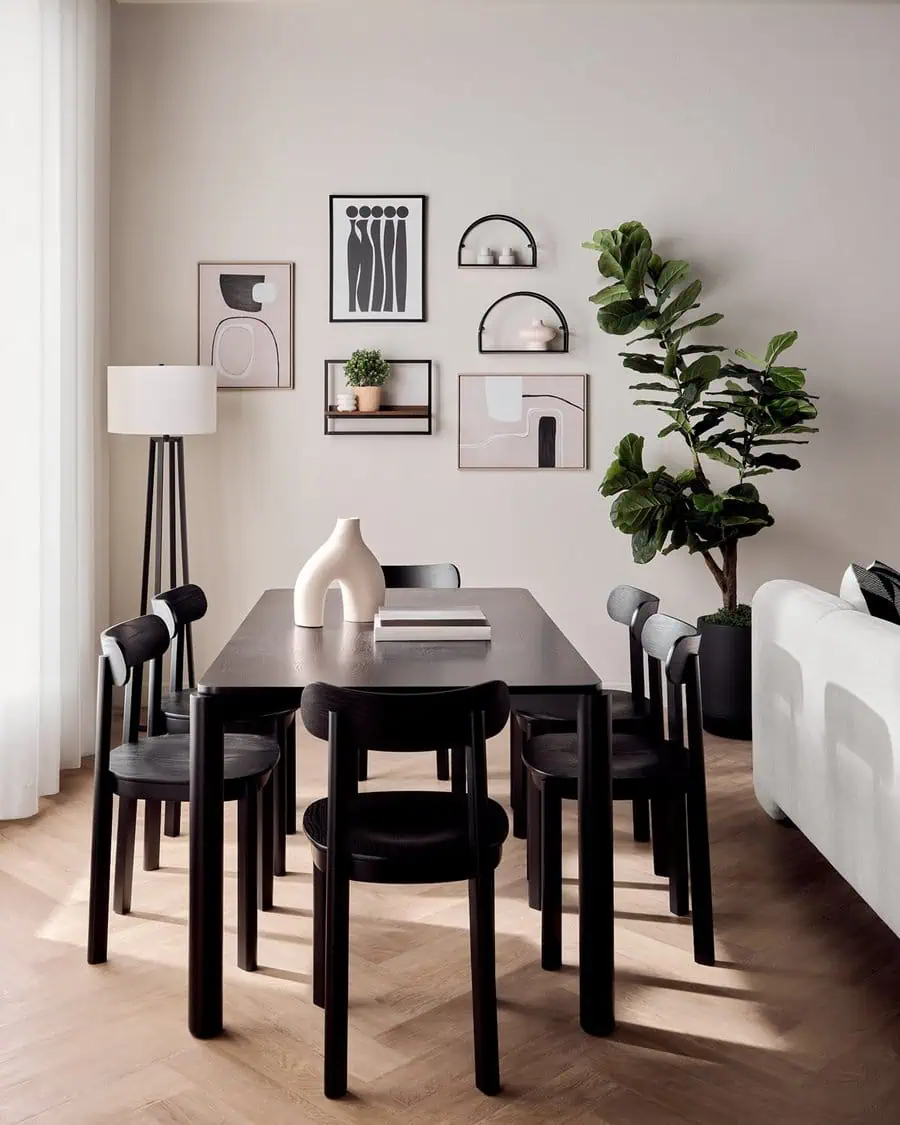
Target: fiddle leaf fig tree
<point>738,413</point>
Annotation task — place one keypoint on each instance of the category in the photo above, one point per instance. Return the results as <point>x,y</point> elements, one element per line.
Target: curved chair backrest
<point>434,576</point>
<point>408,721</point>
<point>356,720</point>
<point>125,649</point>
<point>630,606</point>
<point>672,642</point>
<point>179,608</point>
<point>675,645</point>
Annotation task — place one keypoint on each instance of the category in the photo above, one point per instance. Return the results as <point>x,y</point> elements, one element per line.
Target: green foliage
<point>738,618</point>
<point>367,368</point>
<point>729,412</point>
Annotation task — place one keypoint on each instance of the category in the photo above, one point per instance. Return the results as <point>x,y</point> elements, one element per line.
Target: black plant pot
<point>725,679</point>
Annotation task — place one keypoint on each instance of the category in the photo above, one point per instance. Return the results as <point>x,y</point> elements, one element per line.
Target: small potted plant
<point>367,371</point>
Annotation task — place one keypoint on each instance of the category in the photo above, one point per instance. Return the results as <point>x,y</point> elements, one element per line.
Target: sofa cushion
<point>872,591</point>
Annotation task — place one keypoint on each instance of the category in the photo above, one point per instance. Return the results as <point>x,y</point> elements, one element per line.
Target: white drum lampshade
<point>161,400</point>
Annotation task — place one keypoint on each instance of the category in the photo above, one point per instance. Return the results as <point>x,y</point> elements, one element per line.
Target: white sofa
<point>826,732</point>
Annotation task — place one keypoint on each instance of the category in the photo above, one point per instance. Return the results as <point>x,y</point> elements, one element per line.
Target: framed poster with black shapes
<point>377,258</point>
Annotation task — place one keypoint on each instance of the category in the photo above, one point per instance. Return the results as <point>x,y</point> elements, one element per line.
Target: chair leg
<point>701,880</point>
<point>363,772</point>
<point>279,801</point>
<point>551,878</point>
<point>484,982</point>
<point>173,818</point>
<point>660,836</point>
<point>290,777</point>
<point>640,817</point>
<point>266,845</point>
<point>678,857</point>
<point>517,776</point>
<point>318,936</point>
<point>125,833</point>
<point>443,765</point>
<point>533,841</point>
<point>337,957</point>
<point>152,831</point>
<point>458,770</point>
<point>248,833</point>
<point>101,858</point>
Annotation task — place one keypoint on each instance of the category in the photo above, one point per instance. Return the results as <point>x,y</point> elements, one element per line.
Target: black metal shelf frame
<point>532,245</point>
<point>563,326</point>
<point>329,416</point>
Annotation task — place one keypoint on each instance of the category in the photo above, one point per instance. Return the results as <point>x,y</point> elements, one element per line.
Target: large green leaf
<point>650,387</point>
<point>622,317</point>
<point>607,240</point>
<point>672,273</point>
<point>643,544</point>
<point>750,357</point>
<point>775,461</point>
<point>610,266</point>
<point>698,349</point>
<point>615,292</point>
<point>703,322</point>
<point>744,492</point>
<point>787,378</point>
<point>634,275</point>
<point>619,479</point>
<point>717,454</point>
<point>679,305</point>
<point>707,502</point>
<point>635,508</point>
<point>645,364</point>
<point>778,344</point>
<point>655,266</point>
<point>630,453</point>
<point>703,370</point>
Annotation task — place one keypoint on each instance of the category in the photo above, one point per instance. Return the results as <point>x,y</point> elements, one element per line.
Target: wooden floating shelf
<point>388,411</point>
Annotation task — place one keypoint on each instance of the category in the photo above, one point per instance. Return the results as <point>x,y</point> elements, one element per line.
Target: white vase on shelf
<point>343,558</point>
<point>538,337</point>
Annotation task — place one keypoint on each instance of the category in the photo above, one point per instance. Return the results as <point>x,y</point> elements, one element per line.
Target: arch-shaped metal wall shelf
<point>532,245</point>
<point>563,327</point>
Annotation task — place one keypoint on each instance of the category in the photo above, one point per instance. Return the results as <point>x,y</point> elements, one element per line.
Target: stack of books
<point>456,623</point>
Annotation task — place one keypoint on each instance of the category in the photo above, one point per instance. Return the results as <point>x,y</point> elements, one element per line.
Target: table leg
<point>205,923</point>
<point>595,865</point>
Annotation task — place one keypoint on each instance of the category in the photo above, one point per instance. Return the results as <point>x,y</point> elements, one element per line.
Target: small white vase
<point>538,337</point>
<point>508,257</point>
<point>343,558</point>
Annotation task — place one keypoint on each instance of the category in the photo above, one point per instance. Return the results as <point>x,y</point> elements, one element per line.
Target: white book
<point>431,632</point>
<point>450,614</point>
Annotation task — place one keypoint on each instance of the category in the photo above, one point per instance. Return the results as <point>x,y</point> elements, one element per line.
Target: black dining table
<point>264,669</point>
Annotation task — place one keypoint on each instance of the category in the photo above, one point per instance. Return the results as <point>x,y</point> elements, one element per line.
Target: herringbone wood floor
<point>799,1022</point>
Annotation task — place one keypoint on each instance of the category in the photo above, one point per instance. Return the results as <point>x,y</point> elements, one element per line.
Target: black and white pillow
<point>874,590</point>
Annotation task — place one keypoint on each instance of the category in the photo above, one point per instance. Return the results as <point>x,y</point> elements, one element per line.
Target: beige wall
<point>761,143</point>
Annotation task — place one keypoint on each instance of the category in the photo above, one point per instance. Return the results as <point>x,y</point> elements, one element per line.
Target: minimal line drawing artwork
<point>522,422</point>
<point>246,323</point>
<point>377,257</point>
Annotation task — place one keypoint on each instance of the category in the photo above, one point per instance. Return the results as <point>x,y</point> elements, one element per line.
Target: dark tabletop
<point>270,653</point>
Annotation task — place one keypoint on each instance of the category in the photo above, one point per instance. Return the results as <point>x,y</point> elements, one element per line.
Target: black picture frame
<point>361,200</point>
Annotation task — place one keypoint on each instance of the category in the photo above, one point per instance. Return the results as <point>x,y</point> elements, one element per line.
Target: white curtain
<point>53,220</point>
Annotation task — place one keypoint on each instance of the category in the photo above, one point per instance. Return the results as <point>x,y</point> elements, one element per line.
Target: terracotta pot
<point>368,399</point>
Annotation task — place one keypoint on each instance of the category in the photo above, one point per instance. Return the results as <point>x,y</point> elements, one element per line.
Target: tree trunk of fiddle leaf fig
<point>726,573</point>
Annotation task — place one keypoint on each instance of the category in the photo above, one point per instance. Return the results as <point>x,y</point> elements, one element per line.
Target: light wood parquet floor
<point>799,1023</point>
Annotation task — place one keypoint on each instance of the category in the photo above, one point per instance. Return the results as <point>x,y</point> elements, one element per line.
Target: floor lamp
<point>165,404</point>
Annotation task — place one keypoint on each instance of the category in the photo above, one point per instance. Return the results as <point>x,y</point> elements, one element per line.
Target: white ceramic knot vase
<point>343,558</point>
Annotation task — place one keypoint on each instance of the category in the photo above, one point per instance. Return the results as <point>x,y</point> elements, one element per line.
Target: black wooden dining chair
<point>403,837</point>
<point>156,769</point>
<point>179,608</point>
<point>668,771</point>
<point>419,576</point>
<point>536,714</point>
